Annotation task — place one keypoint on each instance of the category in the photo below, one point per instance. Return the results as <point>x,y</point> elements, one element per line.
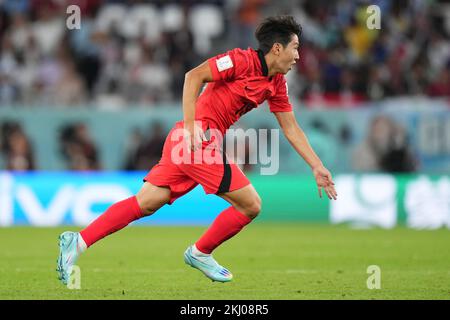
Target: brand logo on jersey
<point>224,63</point>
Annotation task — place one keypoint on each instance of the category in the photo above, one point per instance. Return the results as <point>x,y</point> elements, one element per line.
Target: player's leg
<point>246,200</point>
<point>147,201</point>
<point>228,181</point>
<point>245,206</point>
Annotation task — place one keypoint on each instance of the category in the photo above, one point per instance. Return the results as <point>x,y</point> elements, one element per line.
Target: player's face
<point>288,55</point>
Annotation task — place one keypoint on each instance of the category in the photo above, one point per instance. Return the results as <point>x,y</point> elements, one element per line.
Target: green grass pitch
<point>268,261</point>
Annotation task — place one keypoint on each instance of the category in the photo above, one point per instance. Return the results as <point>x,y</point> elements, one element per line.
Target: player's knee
<point>253,209</point>
<point>150,205</point>
<point>150,199</point>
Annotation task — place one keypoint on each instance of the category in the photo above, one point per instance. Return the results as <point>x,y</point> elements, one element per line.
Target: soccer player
<point>238,81</point>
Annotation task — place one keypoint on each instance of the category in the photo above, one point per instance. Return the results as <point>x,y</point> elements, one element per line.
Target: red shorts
<point>182,174</point>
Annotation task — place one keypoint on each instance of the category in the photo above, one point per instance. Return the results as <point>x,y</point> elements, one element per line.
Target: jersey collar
<point>265,69</point>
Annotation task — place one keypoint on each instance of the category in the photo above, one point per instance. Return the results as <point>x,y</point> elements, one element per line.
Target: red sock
<point>228,223</point>
<point>118,216</point>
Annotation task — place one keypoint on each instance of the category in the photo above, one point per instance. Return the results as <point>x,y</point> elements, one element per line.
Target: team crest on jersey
<point>224,63</point>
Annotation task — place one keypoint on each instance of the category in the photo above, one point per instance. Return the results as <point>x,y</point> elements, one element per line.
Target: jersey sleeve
<point>229,66</point>
<point>279,102</point>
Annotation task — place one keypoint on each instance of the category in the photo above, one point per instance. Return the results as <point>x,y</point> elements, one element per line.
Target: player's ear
<point>276,48</point>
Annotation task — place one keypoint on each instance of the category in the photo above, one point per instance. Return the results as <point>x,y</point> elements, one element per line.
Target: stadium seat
<point>205,22</point>
<point>172,18</point>
<point>110,15</point>
<point>142,20</point>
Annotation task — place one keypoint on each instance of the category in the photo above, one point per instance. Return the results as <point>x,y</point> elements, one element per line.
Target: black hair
<point>277,29</point>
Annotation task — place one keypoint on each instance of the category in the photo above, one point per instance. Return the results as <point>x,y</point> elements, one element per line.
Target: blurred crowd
<point>386,148</point>
<point>16,149</point>
<point>344,63</point>
<point>137,52</point>
<point>143,148</point>
<point>77,148</point>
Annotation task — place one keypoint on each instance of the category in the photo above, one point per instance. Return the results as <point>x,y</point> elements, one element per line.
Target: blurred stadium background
<point>374,103</point>
<point>84,114</point>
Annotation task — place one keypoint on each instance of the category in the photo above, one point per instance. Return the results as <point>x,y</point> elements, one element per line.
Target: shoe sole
<point>59,266</point>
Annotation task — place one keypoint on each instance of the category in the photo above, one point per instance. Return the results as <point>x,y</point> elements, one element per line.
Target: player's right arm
<point>299,141</point>
<point>223,67</point>
<point>193,82</point>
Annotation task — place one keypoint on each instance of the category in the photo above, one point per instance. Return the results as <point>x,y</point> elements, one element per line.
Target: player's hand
<point>194,135</point>
<point>324,181</point>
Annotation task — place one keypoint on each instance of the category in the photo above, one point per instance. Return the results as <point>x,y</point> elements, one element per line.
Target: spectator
<point>385,149</point>
<point>70,89</point>
<point>145,152</point>
<point>398,157</point>
<point>133,144</point>
<point>16,148</point>
<point>342,61</point>
<point>78,148</point>
<point>441,86</point>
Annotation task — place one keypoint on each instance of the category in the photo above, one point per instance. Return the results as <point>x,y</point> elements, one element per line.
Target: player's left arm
<point>297,138</point>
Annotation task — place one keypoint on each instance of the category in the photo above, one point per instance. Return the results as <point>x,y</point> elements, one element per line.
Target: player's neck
<point>271,64</point>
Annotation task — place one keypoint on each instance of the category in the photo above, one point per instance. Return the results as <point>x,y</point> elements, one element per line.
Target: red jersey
<point>240,83</point>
